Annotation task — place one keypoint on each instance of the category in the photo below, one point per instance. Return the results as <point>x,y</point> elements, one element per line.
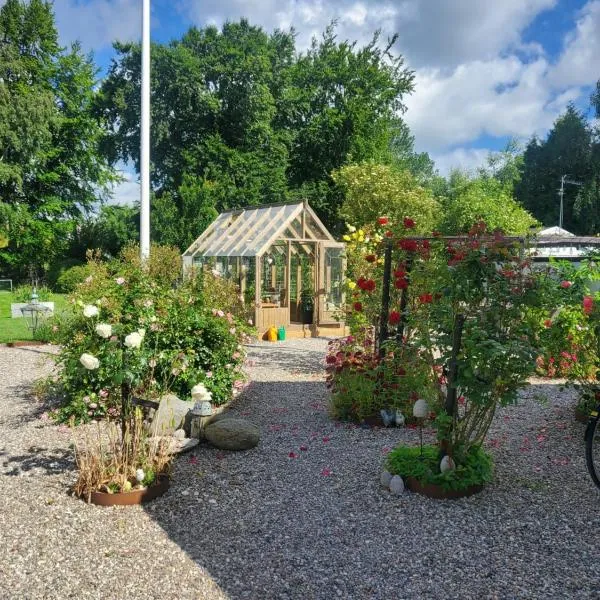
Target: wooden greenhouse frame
<point>280,256</point>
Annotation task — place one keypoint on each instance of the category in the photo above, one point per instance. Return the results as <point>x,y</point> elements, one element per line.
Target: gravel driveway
<point>301,516</point>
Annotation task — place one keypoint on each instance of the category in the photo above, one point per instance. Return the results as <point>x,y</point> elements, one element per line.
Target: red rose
<point>425,298</point>
<point>370,258</point>
<point>566,284</point>
<point>388,234</point>
<point>361,283</point>
<point>588,304</point>
<point>369,285</point>
<point>358,306</point>
<point>399,273</point>
<point>408,223</point>
<point>383,220</point>
<point>401,284</point>
<point>408,245</point>
<point>547,323</point>
<point>394,317</point>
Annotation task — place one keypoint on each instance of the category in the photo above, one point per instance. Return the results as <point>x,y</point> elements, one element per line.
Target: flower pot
<point>432,490</point>
<point>131,498</point>
<point>307,316</point>
<point>372,421</point>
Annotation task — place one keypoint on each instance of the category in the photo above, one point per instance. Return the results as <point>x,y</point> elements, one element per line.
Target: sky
<point>486,70</point>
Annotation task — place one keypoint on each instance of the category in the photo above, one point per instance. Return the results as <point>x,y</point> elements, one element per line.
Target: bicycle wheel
<point>592,445</point>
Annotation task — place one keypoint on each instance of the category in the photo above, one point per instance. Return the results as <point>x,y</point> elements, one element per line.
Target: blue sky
<point>486,71</point>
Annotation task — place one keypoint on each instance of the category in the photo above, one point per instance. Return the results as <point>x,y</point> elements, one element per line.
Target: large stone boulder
<point>170,415</point>
<point>232,434</point>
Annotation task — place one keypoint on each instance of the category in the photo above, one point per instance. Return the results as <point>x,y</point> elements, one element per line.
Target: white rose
<point>139,475</point>
<point>104,330</point>
<point>89,310</point>
<point>89,362</point>
<point>142,332</point>
<point>133,340</point>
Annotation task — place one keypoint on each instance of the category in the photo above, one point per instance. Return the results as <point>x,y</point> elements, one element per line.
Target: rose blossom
<point>120,280</point>
<point>133,340</point>
<point>104,330</point>
<point>89,361</point>
<point>89,310</point>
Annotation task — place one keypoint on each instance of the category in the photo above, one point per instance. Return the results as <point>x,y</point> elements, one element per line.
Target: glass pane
<point>274,276</point>
<point>334,279</point>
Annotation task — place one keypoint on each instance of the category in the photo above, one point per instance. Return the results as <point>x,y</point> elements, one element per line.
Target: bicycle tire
<point>592,445</point>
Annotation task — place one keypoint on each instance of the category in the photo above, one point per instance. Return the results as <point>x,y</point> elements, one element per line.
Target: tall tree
<point>239,118</point>
<point>51,170</point>
<point>566,151</point>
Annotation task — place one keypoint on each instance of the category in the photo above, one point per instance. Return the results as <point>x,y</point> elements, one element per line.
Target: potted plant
<point>464,303</point>
<point>122,467</point>
<point>307,304</point>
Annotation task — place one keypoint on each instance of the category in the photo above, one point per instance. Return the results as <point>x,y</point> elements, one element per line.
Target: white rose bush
<point>133,332</point>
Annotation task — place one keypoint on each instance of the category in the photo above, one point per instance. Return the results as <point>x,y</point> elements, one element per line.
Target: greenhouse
<point>284,261</point>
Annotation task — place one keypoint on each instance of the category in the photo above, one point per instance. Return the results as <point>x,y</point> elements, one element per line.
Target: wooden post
<point>450,404</point>
<point>257,293</point>
<point>404,302</point>
<point>385,297</point>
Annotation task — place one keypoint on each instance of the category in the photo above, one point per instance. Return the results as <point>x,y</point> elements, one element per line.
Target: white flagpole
<point>145,136</point>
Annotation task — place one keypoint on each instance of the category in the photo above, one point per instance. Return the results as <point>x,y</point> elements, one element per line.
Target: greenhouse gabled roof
<point>251,231</point>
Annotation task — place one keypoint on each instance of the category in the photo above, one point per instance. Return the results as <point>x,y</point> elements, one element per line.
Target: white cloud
<point>580,61</point>
<point>98,23</point>
<point>466,159</point>
<point>440,33</point>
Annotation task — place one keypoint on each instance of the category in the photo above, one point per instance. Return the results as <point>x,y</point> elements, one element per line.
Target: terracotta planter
<point>432,490</point>
<point>581,416</point>
<point>373,421</point>
<point>133,497</point>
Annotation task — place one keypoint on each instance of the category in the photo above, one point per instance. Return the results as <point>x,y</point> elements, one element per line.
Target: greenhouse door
<point>331,283</point>
<point>302,279</point>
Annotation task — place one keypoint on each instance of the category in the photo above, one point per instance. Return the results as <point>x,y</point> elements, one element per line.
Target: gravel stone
<point>263,525</point>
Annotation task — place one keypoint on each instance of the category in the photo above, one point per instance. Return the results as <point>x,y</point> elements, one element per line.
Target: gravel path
<point>301,516</point>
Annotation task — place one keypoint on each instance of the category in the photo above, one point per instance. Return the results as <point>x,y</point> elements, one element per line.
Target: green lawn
<point>16,329</point>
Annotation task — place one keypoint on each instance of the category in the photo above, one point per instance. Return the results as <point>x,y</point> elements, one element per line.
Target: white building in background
<point>558,243</point>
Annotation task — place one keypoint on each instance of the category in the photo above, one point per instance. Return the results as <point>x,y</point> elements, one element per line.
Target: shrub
<point>475,467</point>
<point>70,278</point>
<point>110,462</point>
<point>362,383</point>
<point>184,341</point>
<point>224,293</point>
<point>58,268</point>
<point>23,293</point>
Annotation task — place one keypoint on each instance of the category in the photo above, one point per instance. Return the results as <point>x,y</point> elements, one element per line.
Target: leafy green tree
<point>51,170</point>
<point>343,107</point>
<point>372,190</point>
<point>109,231</point>
<point>567,150</point>
<point>239,118</point>
<point>213,109</point>
<point>473,199</point>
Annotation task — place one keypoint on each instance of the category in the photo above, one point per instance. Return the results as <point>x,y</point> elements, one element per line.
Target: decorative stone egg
<point>386,478</point>
<point>396,485</point>
<point>420,409</point>
<point>447,464</point>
